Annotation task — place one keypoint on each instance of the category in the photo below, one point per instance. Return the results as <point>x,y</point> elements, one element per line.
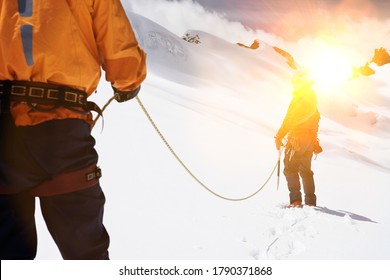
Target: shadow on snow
<point>342,213</point>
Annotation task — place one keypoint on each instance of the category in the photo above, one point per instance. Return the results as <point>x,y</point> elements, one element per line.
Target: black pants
<point>297,165</point>
<point>74,220</point>
<point>32,155</point>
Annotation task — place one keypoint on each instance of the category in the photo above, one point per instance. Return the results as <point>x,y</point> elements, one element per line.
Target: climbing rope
<point>277,165</point>
<point>189,171</point>
<point>104,108</point>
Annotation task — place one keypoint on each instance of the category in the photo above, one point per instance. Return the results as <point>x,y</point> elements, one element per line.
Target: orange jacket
<point>67,42</point>
<point>302,116</point>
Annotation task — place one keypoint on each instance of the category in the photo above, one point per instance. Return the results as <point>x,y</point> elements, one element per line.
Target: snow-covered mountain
<point>219,106</point>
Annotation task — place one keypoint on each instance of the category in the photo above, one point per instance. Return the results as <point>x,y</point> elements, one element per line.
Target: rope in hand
<point>277,165</point>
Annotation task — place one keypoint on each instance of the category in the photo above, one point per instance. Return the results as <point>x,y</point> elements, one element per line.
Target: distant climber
<point>300,126</point>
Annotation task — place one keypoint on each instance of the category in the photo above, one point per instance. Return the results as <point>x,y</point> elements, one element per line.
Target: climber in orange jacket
<point>51,55</point>
<point>300,127</point>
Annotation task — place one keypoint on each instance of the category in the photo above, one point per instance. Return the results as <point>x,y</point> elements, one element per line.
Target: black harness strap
<point>44,94</point>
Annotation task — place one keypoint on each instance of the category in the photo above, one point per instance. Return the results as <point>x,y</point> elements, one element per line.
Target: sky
<point>309,16</point>
<point>351,29</point>
<point>290,20</point>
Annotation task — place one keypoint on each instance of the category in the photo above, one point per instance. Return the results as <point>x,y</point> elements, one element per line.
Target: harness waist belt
<point>45,94</point>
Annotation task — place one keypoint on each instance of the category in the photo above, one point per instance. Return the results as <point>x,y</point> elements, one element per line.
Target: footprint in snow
<point>289,238</point>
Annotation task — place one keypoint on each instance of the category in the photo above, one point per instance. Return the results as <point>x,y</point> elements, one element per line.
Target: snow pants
<point>32,155</point>
<point>297,165</point>
<point>74,221</point>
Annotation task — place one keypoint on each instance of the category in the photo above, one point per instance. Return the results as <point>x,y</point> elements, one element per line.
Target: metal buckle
<point>70,96</point>
<point>82,99</point>
<point>18,90</point>
<point>96,174</point>
<point>36,92</point>
<point>53,94</point>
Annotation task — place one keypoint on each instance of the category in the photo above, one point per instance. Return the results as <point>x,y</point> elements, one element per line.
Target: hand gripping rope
<point>276,167</point>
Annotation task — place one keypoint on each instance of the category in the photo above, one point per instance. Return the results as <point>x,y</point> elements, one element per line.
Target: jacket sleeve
<point>288,120</point>
<point>121,57</point>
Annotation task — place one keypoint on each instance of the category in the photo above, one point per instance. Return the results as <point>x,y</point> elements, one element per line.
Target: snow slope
<point>219,106</point>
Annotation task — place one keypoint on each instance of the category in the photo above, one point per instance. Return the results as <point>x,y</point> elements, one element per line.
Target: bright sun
<point>329,66</point>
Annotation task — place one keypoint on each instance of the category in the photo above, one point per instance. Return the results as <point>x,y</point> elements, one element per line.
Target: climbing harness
<point>185,166</point>
<point>37,93</point>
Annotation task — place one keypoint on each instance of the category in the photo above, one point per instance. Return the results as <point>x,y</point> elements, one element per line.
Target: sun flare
<point>329,66</point>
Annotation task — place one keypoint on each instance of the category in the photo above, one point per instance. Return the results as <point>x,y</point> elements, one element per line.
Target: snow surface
<point>219,106</point>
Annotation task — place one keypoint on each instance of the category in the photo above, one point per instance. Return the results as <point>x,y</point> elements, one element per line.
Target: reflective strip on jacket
<point>67,42</point>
